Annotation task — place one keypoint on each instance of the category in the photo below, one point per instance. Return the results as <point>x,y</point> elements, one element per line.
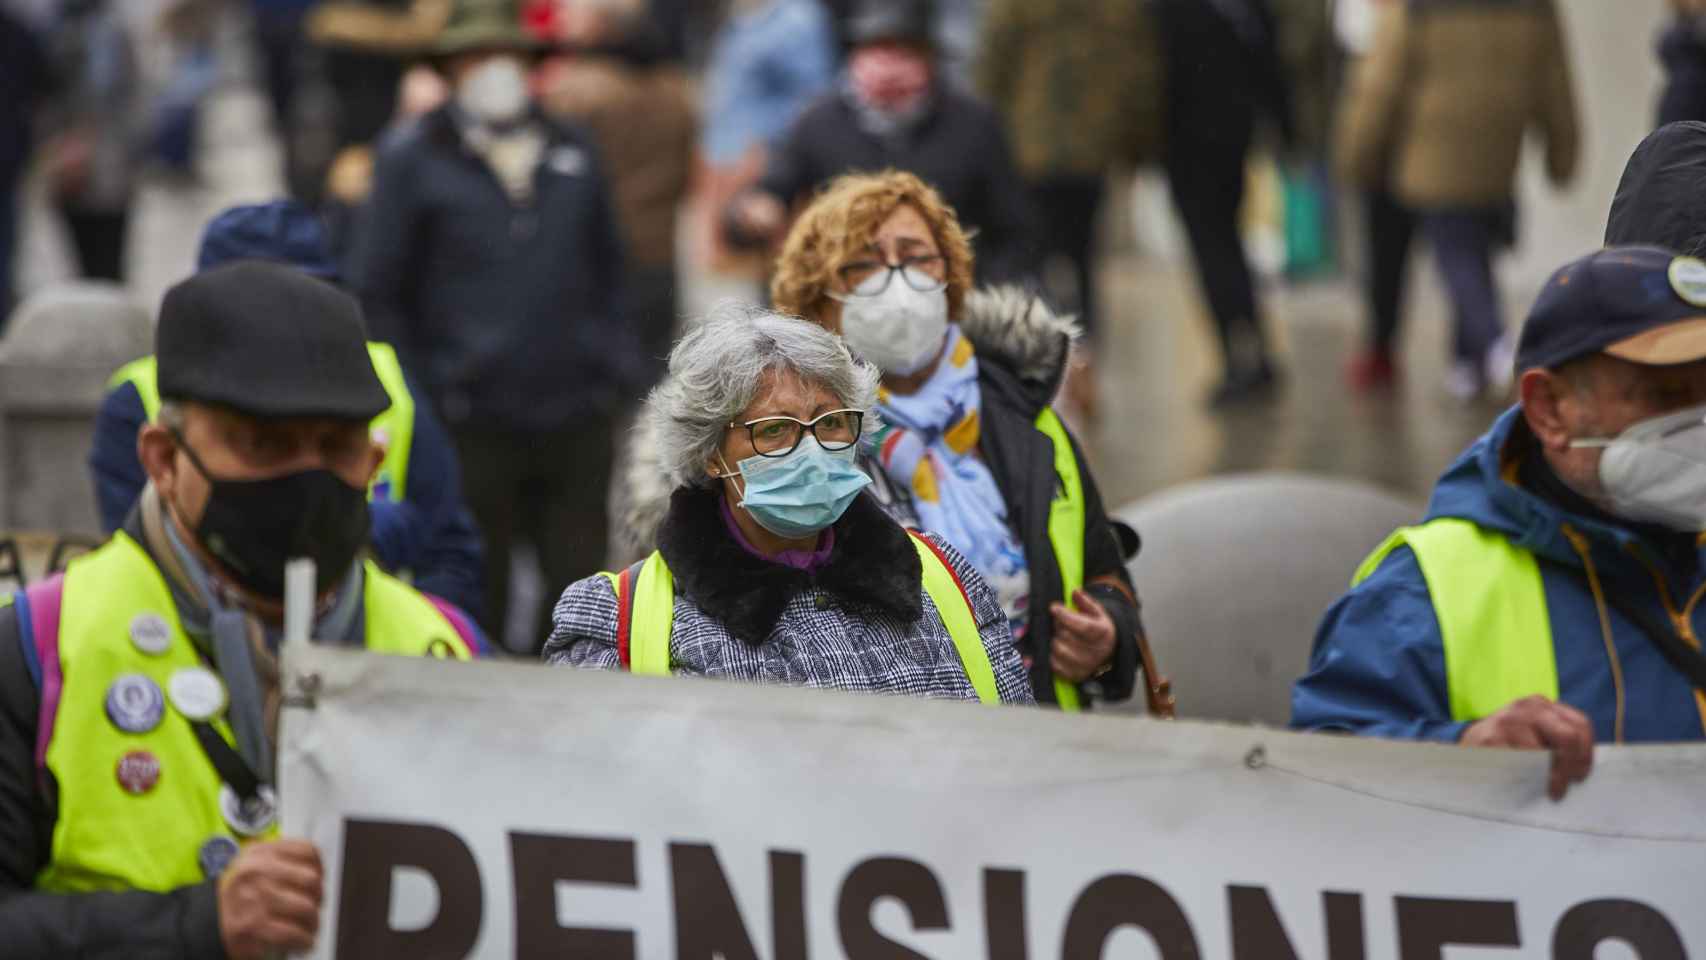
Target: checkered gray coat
<point>842,627</point>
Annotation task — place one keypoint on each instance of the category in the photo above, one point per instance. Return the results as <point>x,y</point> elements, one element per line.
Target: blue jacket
<point>429,533</point>
<point>1378,666</point>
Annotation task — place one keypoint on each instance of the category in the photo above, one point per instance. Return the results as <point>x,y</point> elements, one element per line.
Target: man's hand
<point>1536,723</point>
<point>760,214</point>
<point>269,900</point>
<point>1083,639</point>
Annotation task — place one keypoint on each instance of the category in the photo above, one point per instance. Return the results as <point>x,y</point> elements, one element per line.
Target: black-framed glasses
<point>780,436</point>
<point>869,278</point>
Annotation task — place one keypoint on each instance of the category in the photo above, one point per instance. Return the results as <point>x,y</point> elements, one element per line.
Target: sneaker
<point>1464,380</point>
<point>1371,370</point>
<point>1246,386</point>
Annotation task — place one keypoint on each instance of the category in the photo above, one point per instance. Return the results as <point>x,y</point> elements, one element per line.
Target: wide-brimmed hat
<point>483,25</point>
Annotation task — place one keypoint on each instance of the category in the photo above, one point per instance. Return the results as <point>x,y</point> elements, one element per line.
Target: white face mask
<point>1655,471</point>
<point>899,330</point>
<point>495,91</point>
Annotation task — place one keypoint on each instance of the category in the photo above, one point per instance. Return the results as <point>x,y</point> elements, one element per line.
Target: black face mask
<point>253,526</point>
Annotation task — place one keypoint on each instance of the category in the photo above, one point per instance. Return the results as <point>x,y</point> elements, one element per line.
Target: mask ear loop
<point>729,476</point>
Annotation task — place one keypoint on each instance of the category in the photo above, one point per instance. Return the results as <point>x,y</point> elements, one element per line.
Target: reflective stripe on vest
<point>646,616</point>
<point>1491,605</point>
<point>394,428</point>
<point>105,838</point>
<point>1066,519</point>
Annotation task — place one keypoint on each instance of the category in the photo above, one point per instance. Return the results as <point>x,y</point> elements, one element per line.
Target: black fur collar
<point>873,566</point>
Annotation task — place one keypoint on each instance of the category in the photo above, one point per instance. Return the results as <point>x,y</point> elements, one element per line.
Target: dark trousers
<point>1207,184</point>
<point>1065,209</point>
<point>1463,242</point>
<point>1391,227</point>
<point>99,237</point>
<point>546,488</point>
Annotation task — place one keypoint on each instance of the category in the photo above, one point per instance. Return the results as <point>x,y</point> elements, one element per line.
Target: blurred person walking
<point>1388,233</point>
<point>1222,75</point>
<point>894,110</point>
<point>1078,83</point>
<point>1437,113</point>
<point>93,149</point>
<point>770,61</point>
<point>613,78</point>
<point>772,564</point>
<point>493,264</point>
<point>25,80</point>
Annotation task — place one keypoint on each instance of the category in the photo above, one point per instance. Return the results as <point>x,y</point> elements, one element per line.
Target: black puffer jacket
<point>1659,200</point>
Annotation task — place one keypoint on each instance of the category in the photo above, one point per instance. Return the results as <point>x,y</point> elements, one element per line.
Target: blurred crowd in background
<point>696,129</point>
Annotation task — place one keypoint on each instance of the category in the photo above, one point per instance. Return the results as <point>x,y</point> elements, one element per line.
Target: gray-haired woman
<point>771,564</point>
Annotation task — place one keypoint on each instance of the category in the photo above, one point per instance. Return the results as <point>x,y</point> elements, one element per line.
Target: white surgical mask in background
<point>899,330</point>
<point>494,92</point>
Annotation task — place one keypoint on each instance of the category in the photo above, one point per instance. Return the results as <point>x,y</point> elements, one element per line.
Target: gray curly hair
<point>716,370</point>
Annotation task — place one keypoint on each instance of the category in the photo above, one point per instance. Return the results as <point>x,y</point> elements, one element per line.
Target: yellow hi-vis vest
<point>646,616</point>
<point>394,429</point>
<point>106,838</point>
<point>1066,519</point>
<point>1491,606</point>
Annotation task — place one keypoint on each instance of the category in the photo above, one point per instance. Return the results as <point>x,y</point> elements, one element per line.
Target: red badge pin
<point>138,771</point>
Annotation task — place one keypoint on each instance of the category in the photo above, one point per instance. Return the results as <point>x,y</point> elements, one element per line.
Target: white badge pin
<point>150,633</point>
<point>250,817</point>
<point>197,693</point>
<point>1688,279</point>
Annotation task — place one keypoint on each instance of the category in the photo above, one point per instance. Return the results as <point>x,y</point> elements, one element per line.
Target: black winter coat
<point>509,315</point>
<point>960,148</point>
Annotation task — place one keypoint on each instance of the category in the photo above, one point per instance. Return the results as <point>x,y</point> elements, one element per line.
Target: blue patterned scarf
<point>928,447</point>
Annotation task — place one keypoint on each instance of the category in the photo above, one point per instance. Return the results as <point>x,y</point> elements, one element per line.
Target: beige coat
<point>1439,108</point>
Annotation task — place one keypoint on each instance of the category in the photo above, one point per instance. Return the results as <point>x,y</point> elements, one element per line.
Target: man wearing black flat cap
<point>1553,596</point>
<point>895,109</point>
<point>139,691</point>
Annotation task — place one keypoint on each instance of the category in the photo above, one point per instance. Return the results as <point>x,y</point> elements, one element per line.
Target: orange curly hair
<point>843,220</point>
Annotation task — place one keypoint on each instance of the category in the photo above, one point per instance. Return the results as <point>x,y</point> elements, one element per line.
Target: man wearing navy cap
<point>139,692</point>
<point>1552,597</point>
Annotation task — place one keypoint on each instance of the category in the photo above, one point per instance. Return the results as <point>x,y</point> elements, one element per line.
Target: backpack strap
<point>38,633</point>
<point>645,615</point>
<point>953,605</point>
<point>623,584</point>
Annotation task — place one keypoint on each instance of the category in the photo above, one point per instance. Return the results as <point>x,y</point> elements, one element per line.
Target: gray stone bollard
<point>1235,574</point>
<point>60,348</point>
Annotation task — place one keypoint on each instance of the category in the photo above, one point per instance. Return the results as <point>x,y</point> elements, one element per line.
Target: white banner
<point>499,810</point>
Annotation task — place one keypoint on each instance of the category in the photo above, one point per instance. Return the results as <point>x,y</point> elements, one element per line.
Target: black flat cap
<point>908,21</point>
<point>266,340</point>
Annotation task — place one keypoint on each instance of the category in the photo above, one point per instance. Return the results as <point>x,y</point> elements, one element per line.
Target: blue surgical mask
<point>802,493</point>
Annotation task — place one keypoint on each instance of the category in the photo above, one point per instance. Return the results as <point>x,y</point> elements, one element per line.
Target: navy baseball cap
<point>1642,304</point>
<point>283,231</point>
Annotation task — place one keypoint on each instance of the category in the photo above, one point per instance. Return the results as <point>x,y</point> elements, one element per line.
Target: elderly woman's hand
<point>1083,639</point>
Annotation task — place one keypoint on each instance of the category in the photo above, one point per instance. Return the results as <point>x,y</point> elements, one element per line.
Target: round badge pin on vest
<point>150,634</point>
<point>1688,279</point>
<point>138,771</point>
<point>197,693</point>
<point>135,703</point>
<point>250,817</point>
<point>216,854</point>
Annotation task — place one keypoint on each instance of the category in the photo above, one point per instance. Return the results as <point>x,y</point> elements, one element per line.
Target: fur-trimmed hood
<point>1007,326</point>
